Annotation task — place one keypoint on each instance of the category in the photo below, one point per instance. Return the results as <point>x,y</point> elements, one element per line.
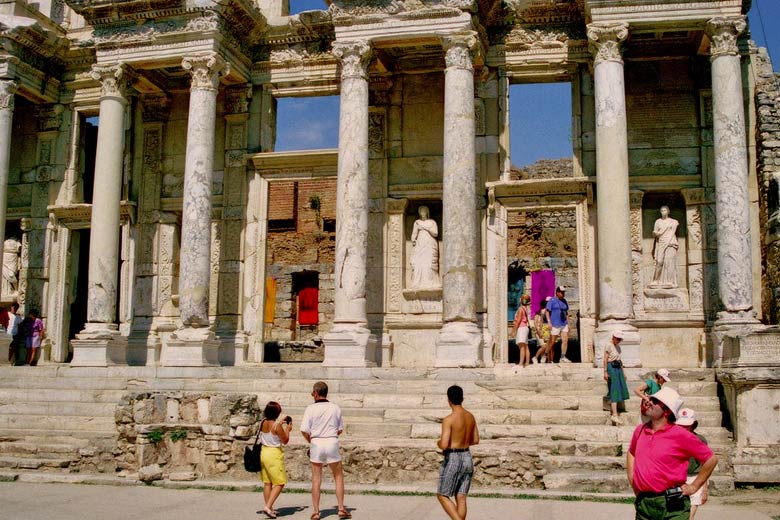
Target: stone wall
<point>544,169</point>
<point>190,436</point>
<point>768,134</point>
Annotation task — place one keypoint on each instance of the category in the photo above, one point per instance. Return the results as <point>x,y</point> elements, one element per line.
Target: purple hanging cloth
<point>542,286</point>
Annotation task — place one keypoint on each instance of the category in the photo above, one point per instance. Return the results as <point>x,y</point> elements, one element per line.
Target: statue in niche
<point>665,251</point>
<point>425,251</point>
<point>10,282</point>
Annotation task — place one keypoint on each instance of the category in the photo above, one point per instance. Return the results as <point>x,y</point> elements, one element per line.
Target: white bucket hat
<point>670,398</point>
<point>664,374</point>
<point>687,417</point>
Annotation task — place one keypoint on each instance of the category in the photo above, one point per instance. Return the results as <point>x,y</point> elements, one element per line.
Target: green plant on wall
<point>178,435</point>
<point>155,436</point>
<point>315,203</point>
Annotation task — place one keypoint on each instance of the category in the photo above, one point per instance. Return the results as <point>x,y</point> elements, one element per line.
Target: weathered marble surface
<point>731,170</point>
<point>104,232</point>
<point>7,93</point>
<point>613,213</point>
<point>460,340</point>
<point>195,264</point>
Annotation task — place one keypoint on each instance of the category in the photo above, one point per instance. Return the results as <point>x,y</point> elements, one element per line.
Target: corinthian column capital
<point>606,41</point>
<point>723,33</point>
<point>206,70</point>
<point>7,91</point>
<point>355,57</point>
<point>458,49</point>
<point>114,80</point>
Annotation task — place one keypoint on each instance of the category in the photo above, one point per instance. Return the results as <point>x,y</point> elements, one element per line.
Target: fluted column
<point>195,344</point>
<point>613,209</point>
<point>350,342</point>
<point>460,339</point>
<point>731,171</point>
<point>100,343</point>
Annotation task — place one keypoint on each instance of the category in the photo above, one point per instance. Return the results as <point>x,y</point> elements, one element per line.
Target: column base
<point>143,349</point>
<point>629,346</point>
<point>99,345</point>
<point>191,347</point>
<point>5,346</point>
<point>459,345</point>
<point>350,346</point>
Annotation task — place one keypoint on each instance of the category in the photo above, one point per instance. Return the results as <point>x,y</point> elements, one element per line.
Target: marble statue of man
<point>665,251</point>
<point>425,251</point>
<point>10,280</point>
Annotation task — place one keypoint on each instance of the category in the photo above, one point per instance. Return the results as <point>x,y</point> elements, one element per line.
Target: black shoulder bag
<point>252,453</point>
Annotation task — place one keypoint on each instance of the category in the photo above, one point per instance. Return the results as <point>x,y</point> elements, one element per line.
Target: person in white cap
<point>558,315</point>
<point>687,419</point>
<point>652,385</point>
<point>614,376</point>
<point>657,461</point>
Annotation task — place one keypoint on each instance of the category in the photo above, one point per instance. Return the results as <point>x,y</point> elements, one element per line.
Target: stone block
<point>182,476</point>
<point>150,473</point>
<point>172,411</point>
<point>203,410</point>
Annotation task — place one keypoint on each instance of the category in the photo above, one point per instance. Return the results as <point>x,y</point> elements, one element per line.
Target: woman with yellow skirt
<point>274,433</point>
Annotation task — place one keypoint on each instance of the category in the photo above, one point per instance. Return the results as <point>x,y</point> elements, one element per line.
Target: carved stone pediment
<point>79,216</point>
<point>521,39</point>
<point>341,9</point>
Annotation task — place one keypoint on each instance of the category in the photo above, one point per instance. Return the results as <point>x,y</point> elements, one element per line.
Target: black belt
<point>651,494</point>
<point>455,450</point>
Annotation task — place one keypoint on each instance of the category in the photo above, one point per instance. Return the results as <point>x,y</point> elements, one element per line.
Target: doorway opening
<point>77,283</point>
<point>542,255</point>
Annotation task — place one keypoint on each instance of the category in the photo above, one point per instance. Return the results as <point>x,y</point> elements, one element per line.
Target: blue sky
<point>540,113</point>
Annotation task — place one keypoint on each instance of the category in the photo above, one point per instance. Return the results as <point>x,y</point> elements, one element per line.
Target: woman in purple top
<point>34,337</point>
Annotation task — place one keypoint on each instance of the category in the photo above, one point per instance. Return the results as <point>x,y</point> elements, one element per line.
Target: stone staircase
<point>541,427</point>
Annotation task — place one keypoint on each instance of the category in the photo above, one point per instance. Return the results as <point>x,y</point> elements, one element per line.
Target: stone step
<point>24,449</point>
<point>59,408</point>
<point>607,463</point>
<point>33,463</point>
<point>615,481</point>
<point>569,432</point>
<point>72,423</point>
<point>83,396</point>
<point>520,387</point>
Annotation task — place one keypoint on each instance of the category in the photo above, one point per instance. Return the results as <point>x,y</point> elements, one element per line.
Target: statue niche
<point>9,287</point>
<point>424,259</point>
<point>665,251</point>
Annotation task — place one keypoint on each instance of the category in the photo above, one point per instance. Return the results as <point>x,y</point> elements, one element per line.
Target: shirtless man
<point>458,432</point>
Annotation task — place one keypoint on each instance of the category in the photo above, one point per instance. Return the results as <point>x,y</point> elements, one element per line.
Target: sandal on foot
<point>314,516</point>
<point>270,513</point>
<point>343,513</point>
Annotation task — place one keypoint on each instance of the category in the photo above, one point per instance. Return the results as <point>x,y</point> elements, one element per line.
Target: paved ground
<point>28,501</point>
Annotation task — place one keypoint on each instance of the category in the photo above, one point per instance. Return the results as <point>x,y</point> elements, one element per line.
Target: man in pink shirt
<point>657,461</point>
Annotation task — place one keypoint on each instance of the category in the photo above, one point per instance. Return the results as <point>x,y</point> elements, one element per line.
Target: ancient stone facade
<point>152,240</point>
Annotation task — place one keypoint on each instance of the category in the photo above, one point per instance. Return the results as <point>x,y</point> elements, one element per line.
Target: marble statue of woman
<point>665,251</point>
<point>425,251</point>
<point>10,280</point>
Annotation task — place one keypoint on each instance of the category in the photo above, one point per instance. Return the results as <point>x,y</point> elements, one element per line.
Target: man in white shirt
<point>321,426</point>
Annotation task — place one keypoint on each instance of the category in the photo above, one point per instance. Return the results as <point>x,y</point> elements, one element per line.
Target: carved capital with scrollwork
<point>206,70</point>
<point>355,57</point>
<point>115,80</point>
<point>7,92</point>
<point>606,41</point>
<point>723,33</point>
<point>459,49</point>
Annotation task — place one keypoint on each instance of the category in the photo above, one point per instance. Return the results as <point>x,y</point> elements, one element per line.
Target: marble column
<point>460,339</point>
<point>100,343</point>
<point>195,344</point>
<point>350,342</point>
<point>731,172</point>
<point>613,209</point>
<point>7,92</point>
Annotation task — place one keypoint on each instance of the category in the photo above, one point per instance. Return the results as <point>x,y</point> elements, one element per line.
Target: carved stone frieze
<point>7,92</point>
<point>114,80</point>
<point>49,117</point>
<point>376,135</point>
<point>723,33</point>
<point>206,70</point>
<point>237,99</point>
<point>606,41</point>
<point>366,8</point>
<point>521,38</point>
<point>299,52</point>
<point>458,50</point>
<point>355,57</point>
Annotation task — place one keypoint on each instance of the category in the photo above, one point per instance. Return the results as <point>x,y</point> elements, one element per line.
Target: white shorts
<point>522,335</point>
<point>696,497</point>
<point>324,450</point>
<point>556,331</point>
